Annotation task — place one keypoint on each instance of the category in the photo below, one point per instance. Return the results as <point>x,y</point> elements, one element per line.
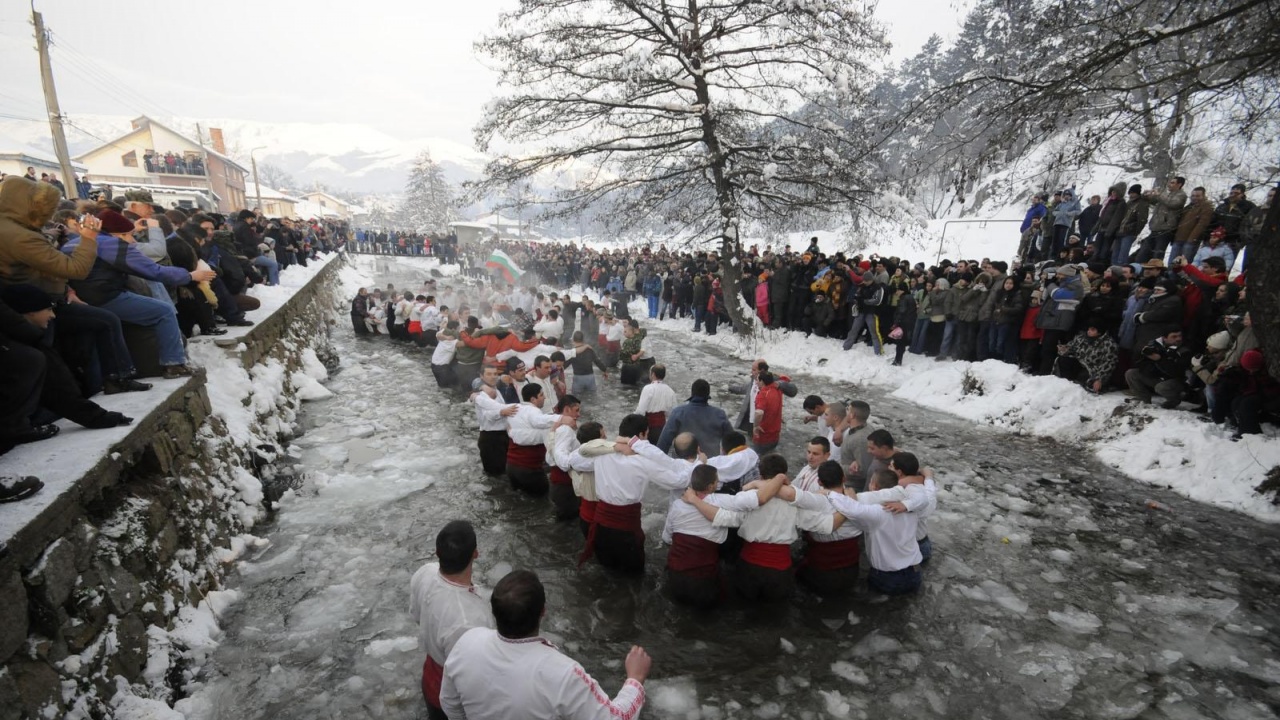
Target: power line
<point>91,67</point>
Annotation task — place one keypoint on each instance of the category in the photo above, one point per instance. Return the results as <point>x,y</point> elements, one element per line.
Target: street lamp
<point>257,186</point>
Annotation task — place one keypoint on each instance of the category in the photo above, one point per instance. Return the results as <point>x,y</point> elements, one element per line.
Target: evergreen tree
<point>428,197</point>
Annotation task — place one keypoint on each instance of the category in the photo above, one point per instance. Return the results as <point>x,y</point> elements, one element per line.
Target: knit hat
<point>1252,360</point>
<point>25,298</point>
<point>113,223</point>
<point>1068,270</point>
<point>1218,232</point>
<point>244,215</point>
<point>1219,340</point>
<point>1135,189</point>
<point>867,277</point>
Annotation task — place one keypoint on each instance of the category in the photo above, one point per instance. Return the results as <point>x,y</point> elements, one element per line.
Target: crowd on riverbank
<point>96,295</point>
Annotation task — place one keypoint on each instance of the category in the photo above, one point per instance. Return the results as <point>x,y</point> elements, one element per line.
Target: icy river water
<point>1054,591</point>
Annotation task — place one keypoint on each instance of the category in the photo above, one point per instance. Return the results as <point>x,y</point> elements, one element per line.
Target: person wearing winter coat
<point>1135,218</point>
<point>1192,226</point>
<point>939,301</point>
<point>987,327</point>
<point>1059,301</point>
<point>653,294</point>
<point>969,301</point>
<point>818,315</point>
<point>779,294</point>
<point>1167,205</point>
<point>1102,308</point>
<point>698,296</point>
<point>1246,393</point>
<point>920,293</point>
<point>1160,315</point>
<point>1031,243</point>
<point>1035,212</point>
<point>1007,311</point>
<point>1089,359</point>
<point>1160,370</point>
<point>904,322</point>
<point>762,298</point>
<point>869,296</point>
<point>1231,213</point>
<point>1064,217</point>
<point>1105,232</point>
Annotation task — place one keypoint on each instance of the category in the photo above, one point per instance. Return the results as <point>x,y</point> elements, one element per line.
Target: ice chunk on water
<point>788,647</point>
<point>1073,619</point>
<point>1062,556</point>
<point>674,697</point>
<point>836,705</point>
<point>1004,597</point>
<point>379,648</point>
<point>497,572</point>
<point>1053,576</point>
<point>850,672</point>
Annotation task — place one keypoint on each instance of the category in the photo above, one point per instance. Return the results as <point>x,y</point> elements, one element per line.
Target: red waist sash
<point>836,555</point>
<point>432,679</point>
<point>587,511</point>
<point>415,327</point>
<point>656,419</point>
<point>529,457</point>
<point>560,477</point>
<point>614,517</point>
<point>602,340</point>
<point>615,346</point>
<point>769,555</point>
<point>694,555</point>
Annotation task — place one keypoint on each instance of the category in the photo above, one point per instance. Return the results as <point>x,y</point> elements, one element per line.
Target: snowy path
<point>1053,592</point>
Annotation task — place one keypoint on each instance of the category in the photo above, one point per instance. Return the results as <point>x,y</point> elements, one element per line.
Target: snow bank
<point>1167,448</point>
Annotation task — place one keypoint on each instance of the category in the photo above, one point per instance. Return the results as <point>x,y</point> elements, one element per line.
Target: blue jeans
<point>156,314</point>
<point>987,347</point>
<point>1120,255</point>
<point>926,549</point>
<point>653,306</point>
<point>159,291</point>
<point>917,337</point>
<point>1007,342</point>
<point>270,266</point>
<point>1182,249</point>
<point>583,384</point>
<point>948,337</point>
<point>900,582</point>
<point>699,312</point>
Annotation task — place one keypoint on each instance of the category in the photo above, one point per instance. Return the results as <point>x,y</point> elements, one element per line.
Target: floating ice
<point>379,648</point>
<point>1075,620</point>
<point>850,672</point>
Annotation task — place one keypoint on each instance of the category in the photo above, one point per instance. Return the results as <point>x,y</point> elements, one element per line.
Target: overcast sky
<point>405,67</point>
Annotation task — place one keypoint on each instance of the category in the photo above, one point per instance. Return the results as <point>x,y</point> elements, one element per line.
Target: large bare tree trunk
<point>1264,288</point>
<point>731,277</point>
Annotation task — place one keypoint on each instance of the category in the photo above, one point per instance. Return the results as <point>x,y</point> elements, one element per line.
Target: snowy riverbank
<point>1166,448</point>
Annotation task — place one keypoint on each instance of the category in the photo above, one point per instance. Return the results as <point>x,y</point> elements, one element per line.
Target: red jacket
<point>1193,294</point>
<point>769,429</point>
<point>493,344</point>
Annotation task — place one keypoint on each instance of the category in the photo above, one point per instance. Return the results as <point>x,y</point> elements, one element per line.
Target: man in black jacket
<point>1162,371</point>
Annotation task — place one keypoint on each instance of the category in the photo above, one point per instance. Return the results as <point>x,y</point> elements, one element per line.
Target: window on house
<point>130,159</point>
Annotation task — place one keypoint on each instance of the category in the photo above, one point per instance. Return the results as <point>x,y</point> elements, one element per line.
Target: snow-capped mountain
<point>340,155</point>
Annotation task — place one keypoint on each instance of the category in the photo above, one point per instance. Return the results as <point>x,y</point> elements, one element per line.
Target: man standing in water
<point>491,416</point>
<point>511,672</point>
<point>656,400</point>
<point>445,605</point>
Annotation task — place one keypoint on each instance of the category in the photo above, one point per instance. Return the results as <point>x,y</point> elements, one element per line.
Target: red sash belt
<point>693,555</point>
<point>615,346</point>
<point>614,517</point>
<point>656,420</point>
<point>432,678</point>
<point>560,477</point>
<point>587,511</point>
<point>769,555</point>
<point>602,340</point>
<point>836,555</point>
<point>529,457</point>
<point>415,327</point>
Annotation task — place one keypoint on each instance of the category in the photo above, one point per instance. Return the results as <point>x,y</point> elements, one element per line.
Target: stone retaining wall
<point>90,590</point>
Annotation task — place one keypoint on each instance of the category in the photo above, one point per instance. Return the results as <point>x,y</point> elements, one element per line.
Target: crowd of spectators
<point>410,244</point>
<point>170,163</point>
<point>97,294</point>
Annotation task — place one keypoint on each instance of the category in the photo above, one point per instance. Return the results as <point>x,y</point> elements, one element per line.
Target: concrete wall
<point>89,591</point>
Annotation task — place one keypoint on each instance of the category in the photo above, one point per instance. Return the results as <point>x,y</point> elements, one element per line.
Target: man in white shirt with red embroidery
<point>511,672</point>
<point>445,605</point>
<point>656,400</point>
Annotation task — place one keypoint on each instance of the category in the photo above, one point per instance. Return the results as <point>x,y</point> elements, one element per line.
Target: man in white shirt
<point>816,452</point>
<point>550,327</point>
<point>656,400</point>
<point>542,377</point>
<point>915,492</point>
<point>491,416</point>
<point>737,463</point>
<point>560,444</point>
<point>616,536</point>
<point>763,571</point>
<point>693,563</point>
<point>613,340</point>
<point>830,565</point>
<point>527,449</point>
<point>892,546</point>
<point>442,358</point>
<point>593,442</point>
<point>444,604</point>
<point>511,672</point>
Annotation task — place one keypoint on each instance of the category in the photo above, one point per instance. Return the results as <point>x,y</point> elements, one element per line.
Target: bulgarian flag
<point>503,263</point>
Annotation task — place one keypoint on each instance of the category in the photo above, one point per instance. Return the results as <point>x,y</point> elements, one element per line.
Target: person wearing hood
<point>1059,301</point>
<point>1168,204</point>
<point>1108,225</point>
<point>1135,217</point>
<point>1064,217</point>
<point>106,287</point>
<point>697,415</point>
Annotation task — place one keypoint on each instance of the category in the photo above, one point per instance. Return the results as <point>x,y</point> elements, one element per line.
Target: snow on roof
<point>251,191</point>
<point>33,155</point>
<point>310,209</point>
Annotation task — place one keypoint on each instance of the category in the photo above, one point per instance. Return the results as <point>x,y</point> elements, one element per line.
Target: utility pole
<point>51,103</point>
<point>257,186</point>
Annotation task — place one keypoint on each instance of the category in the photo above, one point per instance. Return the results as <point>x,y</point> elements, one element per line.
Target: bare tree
<point>702,114</point>
<point>274,176</point>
